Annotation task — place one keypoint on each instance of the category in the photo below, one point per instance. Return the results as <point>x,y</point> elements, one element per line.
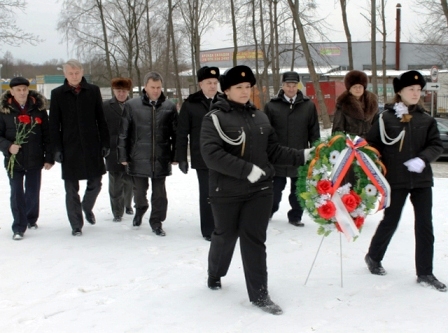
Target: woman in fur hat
<point>239,147</point>
<point>408,140</point>
<point>356,107</point>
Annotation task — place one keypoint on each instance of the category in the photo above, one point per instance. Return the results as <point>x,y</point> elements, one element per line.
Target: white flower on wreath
<point>344,189</point>
<point>334,156</point>
<point>371,190</point>
<point>400,109</point>
<point>322,200</point>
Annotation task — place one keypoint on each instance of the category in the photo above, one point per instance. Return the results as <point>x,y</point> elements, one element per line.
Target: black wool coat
<point>78,130</point>
<point>193,110</point>
<point>296,125</point>
<point>112,114</point>
<point>231,164</point>
<point>36,151</point>
<point>422,139</point>
<point>147,136</point>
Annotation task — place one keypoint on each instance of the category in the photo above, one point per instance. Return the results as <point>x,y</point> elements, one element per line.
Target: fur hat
<point>121,83</point>
<point>408,79</point>
<point>208,73</point>
<point>291,77</point>
<point>236,75</point>
<point>19,81</point>
<point>355,77</point>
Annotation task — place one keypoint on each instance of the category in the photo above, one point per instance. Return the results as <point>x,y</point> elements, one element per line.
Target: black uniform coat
<point>112,114</point>
<point>193,110</point>
<point>147,136</point>
<point>296,126</point>
<point>78,130</point>
<point>230,165</point>
<point>422,140</point>
<point>34,153</point>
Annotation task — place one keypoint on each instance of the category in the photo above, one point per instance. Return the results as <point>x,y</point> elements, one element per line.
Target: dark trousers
<point>247,219</point>
<point>296,211</point>
<point>205,210</point>
<point>159,200</point>
<point>24,198</point>
<point>120,192</point>
<point>421,199</point>
<point>73,202</point>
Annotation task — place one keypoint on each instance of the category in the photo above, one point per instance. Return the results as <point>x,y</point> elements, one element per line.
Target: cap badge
<point>416,77</point>
<point>243,74</point>
<point>213,72</point>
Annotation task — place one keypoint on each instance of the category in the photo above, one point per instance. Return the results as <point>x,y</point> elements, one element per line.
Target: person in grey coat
<point>80,139</point>
<point>146,145</point>
<point>120,183</point>
<point>296,123</point>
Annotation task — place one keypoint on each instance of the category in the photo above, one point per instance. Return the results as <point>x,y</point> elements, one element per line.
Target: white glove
<point>415,164</point>
<point>307,153</point>
<point>255,174</point>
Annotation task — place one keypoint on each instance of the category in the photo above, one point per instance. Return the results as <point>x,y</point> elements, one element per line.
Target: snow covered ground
<point>118,279</point>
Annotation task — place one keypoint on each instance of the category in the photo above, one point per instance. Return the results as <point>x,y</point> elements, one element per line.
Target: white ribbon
<point>344,219</point>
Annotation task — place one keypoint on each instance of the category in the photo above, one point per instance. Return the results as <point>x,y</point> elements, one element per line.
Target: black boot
<point>214,283</point>
<point>139,212</point>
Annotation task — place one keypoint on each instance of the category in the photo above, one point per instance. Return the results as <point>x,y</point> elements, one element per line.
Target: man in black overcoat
<point>80,138</point>
<point>193,110</point>
<point>120,183</point>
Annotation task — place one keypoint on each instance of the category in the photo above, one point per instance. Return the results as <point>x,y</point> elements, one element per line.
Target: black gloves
<point>58,157</point>
<point>105,151</point>
<point>183,166</point>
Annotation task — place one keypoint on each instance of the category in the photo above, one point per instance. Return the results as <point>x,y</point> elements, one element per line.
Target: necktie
<point>291,101</point>
<point>153,103</point>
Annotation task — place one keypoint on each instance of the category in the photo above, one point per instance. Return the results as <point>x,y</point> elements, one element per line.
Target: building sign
<point>330,51</point>
<point>228,56</point>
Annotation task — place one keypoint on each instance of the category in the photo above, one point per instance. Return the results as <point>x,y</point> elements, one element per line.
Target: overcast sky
<point>41,18</point>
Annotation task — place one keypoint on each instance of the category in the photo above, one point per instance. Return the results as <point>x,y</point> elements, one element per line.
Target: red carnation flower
<point>327,211</point>
<point>24,119</point>
<point>350,202</point>
<point>359,221</point>
<point>323,186</point>
<point>38,120</point>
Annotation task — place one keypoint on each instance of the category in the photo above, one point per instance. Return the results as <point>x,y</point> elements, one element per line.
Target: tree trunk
<point>106,44</point>
<point>383,63</point>
<point>235,36</point>
<point>174,52</point>
<point>445,9</point>
<point>309,60</point>
<point>148,35</point>
<point>373,46</point>
<point>257,75</point>
<point>347,33</point>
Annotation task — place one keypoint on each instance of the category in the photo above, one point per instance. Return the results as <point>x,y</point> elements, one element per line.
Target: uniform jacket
<point>112,114</point>
<point>34,153</point>
<point>296,125</point>
<point>355,117</point>
<point>231,164</point>
<point>193,110</point>
<point>78,130</point>
<point>147,136</point>
<point>422,140</point>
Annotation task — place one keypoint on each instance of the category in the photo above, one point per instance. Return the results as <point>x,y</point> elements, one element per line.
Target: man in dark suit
<point>80,138</point>
<point>120,183</point>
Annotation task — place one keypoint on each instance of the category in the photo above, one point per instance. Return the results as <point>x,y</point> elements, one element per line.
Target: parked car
<point>442,125</point>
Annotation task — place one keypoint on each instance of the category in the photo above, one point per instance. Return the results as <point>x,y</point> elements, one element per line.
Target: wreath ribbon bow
<point>342,165</point>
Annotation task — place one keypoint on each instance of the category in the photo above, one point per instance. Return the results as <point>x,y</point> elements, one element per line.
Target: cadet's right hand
<point>183,166</point>
<point>255,174</point>
<point>58,157</point>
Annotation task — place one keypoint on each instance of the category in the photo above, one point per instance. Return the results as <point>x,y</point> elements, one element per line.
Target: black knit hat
<point>408,79</point>
<point>208,73</point>
<point>355,77</point>
<point>291,77</point>
<point>236,75</point>
<point>19,81</point>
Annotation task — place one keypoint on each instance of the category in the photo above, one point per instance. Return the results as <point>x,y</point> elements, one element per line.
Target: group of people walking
<point>242,157</point>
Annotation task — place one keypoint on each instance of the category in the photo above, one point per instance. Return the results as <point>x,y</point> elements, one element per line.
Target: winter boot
<point>375,267</point>
<point>268,306</point>
<point>214,283</point>
<point>139,212</point>
<point>431,281</point>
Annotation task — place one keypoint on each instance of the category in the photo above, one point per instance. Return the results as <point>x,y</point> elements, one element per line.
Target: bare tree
<point>348,35</point>
<point>10,32</point>
<point>373,45</point>
<point>294,6</point>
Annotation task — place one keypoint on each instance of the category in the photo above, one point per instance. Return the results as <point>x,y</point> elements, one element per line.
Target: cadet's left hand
<point>105,151</point>
<point>415,164</point>
<point>307,153</point>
